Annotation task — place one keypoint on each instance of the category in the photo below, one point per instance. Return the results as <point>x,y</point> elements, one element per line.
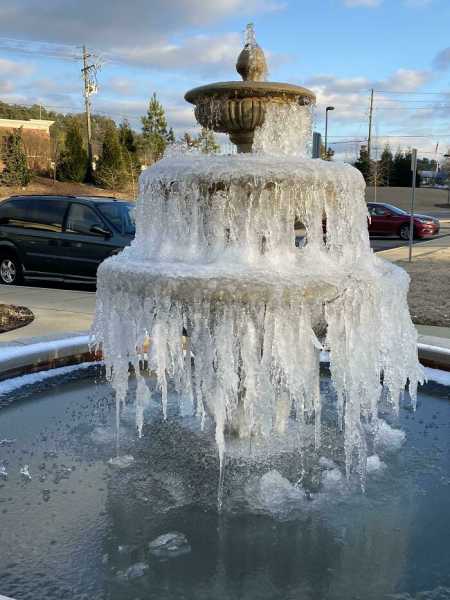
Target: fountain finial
<point>251,63</point>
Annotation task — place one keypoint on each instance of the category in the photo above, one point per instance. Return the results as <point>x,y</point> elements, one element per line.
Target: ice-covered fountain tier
<point>235,312</point>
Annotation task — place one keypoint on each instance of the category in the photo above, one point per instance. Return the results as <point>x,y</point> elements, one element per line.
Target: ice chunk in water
<point>25,472</point>
<point>276,494</point>
<point>374,464</point>
<point>121,462</point>
<point>169,545</point>
<point>134,571</point>
<point>388,438</point>
<point>331,478</point>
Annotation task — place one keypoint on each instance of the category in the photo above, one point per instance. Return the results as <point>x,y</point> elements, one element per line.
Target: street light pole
<point>448,182</point>
<point>328,108</point>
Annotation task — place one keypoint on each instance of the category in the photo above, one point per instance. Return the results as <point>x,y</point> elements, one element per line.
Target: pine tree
<point>111,170</point>
<point>363,163</point>
<point>128,143</point>
<point>16,171</point>
<point>127,138</point>
<point>401,170</point>
<point>206,142</point>
<point>74,158</point>
<point>171,136</point>
<point>386,165</point>
<point>154,130</point>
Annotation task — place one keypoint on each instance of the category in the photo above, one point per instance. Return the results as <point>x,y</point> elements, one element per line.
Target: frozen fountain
<point>214,297</point>
<point>223,321</point>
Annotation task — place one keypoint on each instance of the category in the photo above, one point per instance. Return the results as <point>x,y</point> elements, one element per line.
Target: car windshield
<point>121,215</point>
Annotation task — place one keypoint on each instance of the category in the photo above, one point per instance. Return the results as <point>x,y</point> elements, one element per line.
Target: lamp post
<point>328,108</point>
<point>448,182</point>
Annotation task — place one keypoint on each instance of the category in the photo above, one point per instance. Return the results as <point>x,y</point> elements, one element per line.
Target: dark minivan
<point>61,237</point>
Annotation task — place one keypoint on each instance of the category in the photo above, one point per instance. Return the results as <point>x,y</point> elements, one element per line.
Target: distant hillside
<point>16,111</point>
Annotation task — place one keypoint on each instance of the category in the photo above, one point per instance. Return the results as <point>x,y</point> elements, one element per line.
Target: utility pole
<point>328,108</point>
<point>369,138</point>
<point>89,72</point>
<point>413,201</point>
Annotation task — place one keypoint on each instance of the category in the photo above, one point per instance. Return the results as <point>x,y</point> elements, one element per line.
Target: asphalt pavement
<point>378,244</point>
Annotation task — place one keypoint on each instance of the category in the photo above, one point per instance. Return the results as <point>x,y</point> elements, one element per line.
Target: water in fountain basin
<point>215,257</point>
<point>292,526</point>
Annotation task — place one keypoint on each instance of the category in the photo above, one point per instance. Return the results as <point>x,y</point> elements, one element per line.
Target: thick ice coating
<point>215,257</point>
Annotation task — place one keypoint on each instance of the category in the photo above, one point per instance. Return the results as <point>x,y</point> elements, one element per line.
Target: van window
<point>44,214</point>
<point>81,219</point>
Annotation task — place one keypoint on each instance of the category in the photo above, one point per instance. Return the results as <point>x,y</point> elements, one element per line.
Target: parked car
<point>386,219</point>
<point>62,238</point>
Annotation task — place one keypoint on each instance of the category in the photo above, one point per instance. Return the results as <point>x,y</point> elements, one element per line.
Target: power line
<point>391,92</point>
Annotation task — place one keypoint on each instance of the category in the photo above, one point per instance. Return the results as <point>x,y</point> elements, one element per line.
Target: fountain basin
<point>81,528</point>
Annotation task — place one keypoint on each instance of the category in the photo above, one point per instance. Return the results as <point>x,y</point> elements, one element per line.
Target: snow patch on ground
<point>442,377</point>
<point>11,385</point>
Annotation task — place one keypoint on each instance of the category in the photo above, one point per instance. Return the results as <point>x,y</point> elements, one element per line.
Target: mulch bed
<point>13,317</point>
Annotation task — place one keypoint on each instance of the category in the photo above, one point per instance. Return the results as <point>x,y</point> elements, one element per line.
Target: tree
<point>401,170</point>
<point>386,165</point>
<point>363,163</point>
<point>171,136</point>
<point>205,141</point>
<point>154,131</point>
<point>127,138</point>
<point>129,147</point>
<point>111,172</point>
<point>16,171</point>
<point>74,158</point>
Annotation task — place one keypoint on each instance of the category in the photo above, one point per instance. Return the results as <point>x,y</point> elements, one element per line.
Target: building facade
<point>36,140</point>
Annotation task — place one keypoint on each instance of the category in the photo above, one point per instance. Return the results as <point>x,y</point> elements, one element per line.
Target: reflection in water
<point>80,528</point>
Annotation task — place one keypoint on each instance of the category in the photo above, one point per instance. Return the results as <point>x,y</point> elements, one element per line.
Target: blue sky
<point>339,48</point>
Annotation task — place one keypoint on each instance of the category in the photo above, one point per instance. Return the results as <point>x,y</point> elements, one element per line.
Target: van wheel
<point>404,232</point>
<point>10,269</point>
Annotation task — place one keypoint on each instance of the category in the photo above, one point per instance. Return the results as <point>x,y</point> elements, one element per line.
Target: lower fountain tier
<point>310,275</point>
<point>221,281</point>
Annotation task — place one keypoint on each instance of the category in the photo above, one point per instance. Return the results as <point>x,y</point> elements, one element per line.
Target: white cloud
<point>119,85</point>
<point>11,67</point>
<point>103,23</point>
<point>6,87</point>
<point>405,80</point>
<point>199,53</point>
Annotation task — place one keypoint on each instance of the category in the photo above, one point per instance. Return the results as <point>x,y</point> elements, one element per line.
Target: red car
<point>386,219</point>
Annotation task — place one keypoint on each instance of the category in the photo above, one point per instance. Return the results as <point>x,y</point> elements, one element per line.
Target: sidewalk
<point>55,311</point>
<point>421,249</point>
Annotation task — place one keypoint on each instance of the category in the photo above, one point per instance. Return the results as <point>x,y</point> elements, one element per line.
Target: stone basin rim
<point>35,358</point>
<point>250,89</point>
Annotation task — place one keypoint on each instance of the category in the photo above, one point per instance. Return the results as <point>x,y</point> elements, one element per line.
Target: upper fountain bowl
<point>239,107</point>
